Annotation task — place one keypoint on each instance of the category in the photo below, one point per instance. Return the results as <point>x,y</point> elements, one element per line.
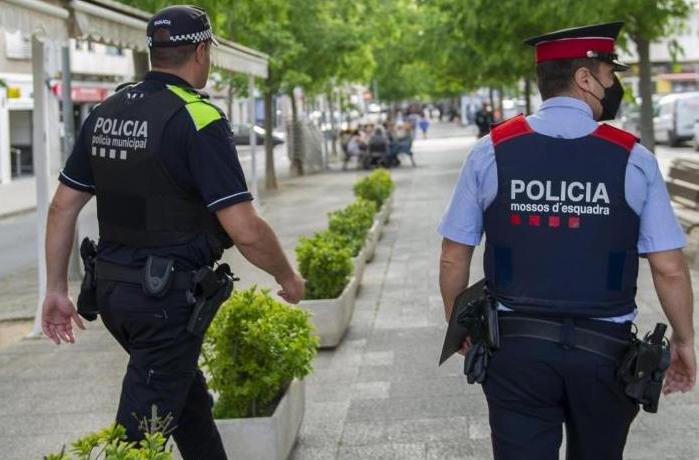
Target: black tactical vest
<point>560,236</point>
<point>138,203</point>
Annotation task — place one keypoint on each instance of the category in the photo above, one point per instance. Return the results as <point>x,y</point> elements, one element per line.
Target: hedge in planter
<point>353,223</point>
<point>253,349</point>
<point>325,262</point>
<point>376,187</point>
<point>110,444</point>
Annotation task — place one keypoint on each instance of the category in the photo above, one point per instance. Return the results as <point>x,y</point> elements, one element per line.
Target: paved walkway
<point>380,394</point>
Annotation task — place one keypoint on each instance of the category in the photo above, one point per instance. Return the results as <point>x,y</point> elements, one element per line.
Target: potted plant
<point>325,262</point>
<point>110,444</point>
<point>352,224</point>
<point>256,352</point>
<point>377,187</point>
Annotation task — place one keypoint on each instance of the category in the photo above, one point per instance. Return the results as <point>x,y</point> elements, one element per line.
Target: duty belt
<point>573,337</point>
<point>113,272</point>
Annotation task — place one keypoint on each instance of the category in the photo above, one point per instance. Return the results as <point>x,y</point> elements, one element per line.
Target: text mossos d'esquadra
<point>562,197</point>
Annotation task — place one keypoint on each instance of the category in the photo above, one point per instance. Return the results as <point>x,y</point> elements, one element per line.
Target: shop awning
<point>112,23</point>
<point>238,58</point>
<point>34,17</point>
<point>109,23</point>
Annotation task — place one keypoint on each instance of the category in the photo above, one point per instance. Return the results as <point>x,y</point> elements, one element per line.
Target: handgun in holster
<point>480,318</point>
<point>210,288</point>
<point>87,299</point>
<point>643,368</point>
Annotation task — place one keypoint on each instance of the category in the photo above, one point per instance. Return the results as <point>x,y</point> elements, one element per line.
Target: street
<point>380,393</point>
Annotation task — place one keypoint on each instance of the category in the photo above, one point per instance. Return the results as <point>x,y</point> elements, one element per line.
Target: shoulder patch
<point>509,129</point>
<point>203,113</point>
<point>615,135</point>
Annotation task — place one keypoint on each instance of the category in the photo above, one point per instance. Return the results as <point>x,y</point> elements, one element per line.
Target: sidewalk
<point>380,394</point>
<point>17,197</point>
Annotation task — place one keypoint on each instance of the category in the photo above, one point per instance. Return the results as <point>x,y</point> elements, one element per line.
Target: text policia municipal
<point>115,132</point>
<point>548,196</point>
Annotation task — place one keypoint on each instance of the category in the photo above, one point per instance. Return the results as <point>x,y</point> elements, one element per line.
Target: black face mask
<point>611,99</point>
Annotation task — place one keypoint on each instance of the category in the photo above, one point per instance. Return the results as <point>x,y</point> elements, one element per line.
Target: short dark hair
<point>554,78</point>
<point>172,56</point>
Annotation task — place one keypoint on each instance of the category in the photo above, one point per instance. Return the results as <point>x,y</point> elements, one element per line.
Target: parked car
<point>696,135</point>
<point>675,117</point>
<point>241,135</point>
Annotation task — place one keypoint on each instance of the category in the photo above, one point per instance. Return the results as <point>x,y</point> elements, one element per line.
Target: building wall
<point>687,38</point>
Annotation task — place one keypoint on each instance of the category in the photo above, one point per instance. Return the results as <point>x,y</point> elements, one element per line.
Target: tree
<point>646,22</point>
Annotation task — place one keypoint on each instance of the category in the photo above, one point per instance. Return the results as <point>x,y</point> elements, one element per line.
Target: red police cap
<point>596,41</point>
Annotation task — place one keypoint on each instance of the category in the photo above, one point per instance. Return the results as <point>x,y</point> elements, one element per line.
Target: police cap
<point>596,42</point>
<point>179,25</point>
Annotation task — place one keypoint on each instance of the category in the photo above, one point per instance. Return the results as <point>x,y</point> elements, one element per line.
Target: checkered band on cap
<point>195,37</point>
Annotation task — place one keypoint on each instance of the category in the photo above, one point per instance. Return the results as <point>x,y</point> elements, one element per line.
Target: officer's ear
<point>583,79</point>
<point>201,52</point>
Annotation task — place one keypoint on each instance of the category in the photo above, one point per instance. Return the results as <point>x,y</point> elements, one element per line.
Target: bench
<point>683,187</point>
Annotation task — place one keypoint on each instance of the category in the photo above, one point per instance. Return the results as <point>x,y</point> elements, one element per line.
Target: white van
<point>675,116</point>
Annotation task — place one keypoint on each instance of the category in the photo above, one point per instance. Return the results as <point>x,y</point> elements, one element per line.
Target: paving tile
<point>383,452</point>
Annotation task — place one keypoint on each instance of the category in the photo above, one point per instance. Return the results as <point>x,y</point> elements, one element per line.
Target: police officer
<point>161,161</point>
<point>567,207</point>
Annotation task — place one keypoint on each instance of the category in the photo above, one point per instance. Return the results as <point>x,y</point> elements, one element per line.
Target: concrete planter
<point>331,317</point>
<point>266,438</point>
<point>359,263</point>
<point>385,211</point>
<point>372,239</point>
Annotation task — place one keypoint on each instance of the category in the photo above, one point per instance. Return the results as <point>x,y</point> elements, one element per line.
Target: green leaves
<point>325,262</point>
<point>353,223</point>
<point>253,349</point>
<point>376,187</point>
<point>110,444</point>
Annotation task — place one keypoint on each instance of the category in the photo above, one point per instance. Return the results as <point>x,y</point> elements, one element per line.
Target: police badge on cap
<point>179,25</point>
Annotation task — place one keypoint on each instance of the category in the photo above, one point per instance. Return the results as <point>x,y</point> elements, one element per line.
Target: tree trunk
<point>333,126</point>
<point>229,102</point>
<point>501,109</point>
<point>270,173</point>
<point>528,95</point>
<point>296,159</point>
<point>646,90</point>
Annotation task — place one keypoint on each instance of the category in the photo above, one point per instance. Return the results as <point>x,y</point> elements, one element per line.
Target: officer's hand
<point>465,346</point>
<point>293,289</point>
<point>57,315</point>
<point>682,373</point>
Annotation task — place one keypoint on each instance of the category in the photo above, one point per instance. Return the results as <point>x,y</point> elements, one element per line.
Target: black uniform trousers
<point>534,387</point>
<point>162,369</point>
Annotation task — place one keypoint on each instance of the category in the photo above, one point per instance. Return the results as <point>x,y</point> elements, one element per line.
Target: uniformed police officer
<point>567,207</point>
<point>161,161</point>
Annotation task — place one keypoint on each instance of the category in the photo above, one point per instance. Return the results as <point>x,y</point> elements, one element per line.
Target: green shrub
<point>376,187</point>
<point>110,444</point>
<point>325,262</point>
<point>353,223</point>
<point>253,349</point>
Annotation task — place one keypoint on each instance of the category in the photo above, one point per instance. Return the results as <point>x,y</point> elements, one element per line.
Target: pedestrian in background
<point>169,201</point>
<point>424,124</point>
<point>561,263</point>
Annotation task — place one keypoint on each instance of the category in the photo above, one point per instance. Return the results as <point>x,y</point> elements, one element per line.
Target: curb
<point>18,212</point>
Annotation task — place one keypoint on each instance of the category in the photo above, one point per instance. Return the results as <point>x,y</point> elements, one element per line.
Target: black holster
<point>643,368</point>
<point>480,318</point>
<point>87,299</point>
<point>210,288</point>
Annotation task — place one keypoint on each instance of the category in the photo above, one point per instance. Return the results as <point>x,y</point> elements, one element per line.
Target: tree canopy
<point>416,48</point>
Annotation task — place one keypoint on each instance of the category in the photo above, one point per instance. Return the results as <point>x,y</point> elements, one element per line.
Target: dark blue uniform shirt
<point>205,162</point>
